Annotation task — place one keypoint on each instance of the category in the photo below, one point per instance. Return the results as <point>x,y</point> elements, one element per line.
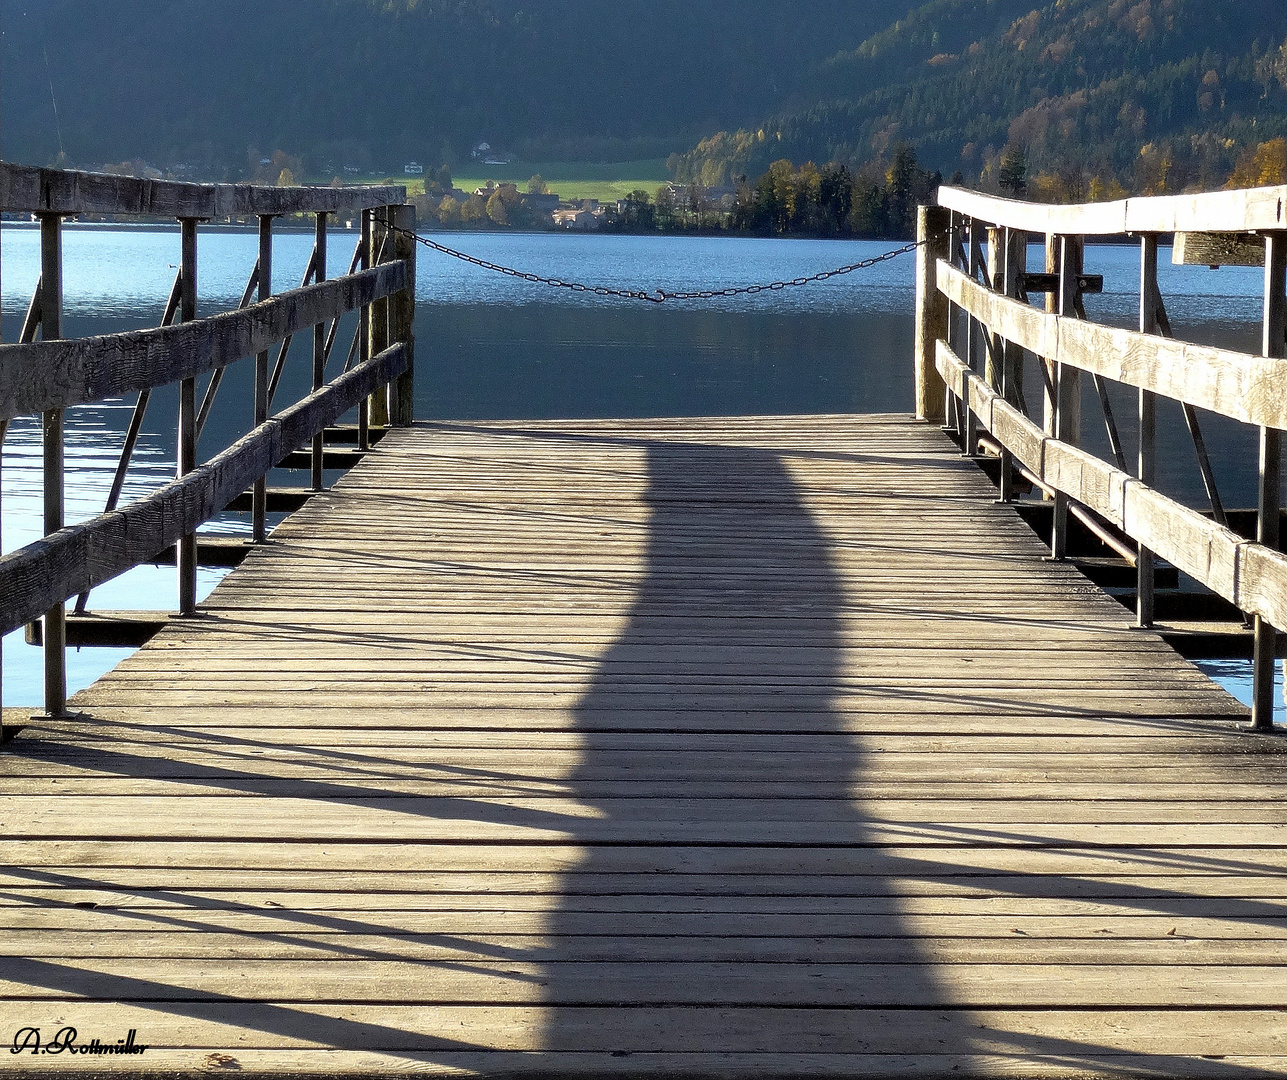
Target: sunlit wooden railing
<point>976,323</point>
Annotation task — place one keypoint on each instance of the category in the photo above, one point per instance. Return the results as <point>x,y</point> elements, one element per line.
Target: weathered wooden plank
<point>63,191</point>
<point>1218,249</point>
<point>56,374</point>
<point>572,981</point>
<point>1221,211</point>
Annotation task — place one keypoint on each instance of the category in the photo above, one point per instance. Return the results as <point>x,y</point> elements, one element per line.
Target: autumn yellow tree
<point>1261,167</point>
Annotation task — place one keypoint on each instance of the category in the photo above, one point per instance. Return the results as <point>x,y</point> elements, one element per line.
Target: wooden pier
<point>757,747</point>
<point>716,748</point>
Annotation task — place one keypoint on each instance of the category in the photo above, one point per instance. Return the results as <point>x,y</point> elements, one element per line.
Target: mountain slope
<point>1158,94</point>
<point>380,81</point>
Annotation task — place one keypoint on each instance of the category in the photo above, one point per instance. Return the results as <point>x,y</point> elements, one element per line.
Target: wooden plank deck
<point>711,748</point>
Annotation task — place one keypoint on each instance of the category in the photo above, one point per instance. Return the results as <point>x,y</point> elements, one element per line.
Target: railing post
<point>378,317</point>
<point>364,329</point>
<point>319,346</point>
<point>993,358</point>
<point>1014,263</point>
<point>1265,647</point>
<point>402,315</point>
<point>1067,384</point>
<point>932,225</point>
<point>1145,565</point>
<point>974,333</point>
<point>186,553</point>
<point>51,311</point>
<point>259,496</point>
<point>951,410</point>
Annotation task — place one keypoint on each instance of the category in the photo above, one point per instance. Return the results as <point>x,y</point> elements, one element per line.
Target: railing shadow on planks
<point>976,324</point>
<point>46,374</point>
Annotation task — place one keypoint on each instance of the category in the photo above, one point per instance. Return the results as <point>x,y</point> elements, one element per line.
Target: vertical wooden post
<point>378,318</point>
<point>1014,260</point>
<point>51,312</point>
<point>187,442</point>
<point>1048,398</point>
<point>319,346</point>
<point>364,332</point>
<point>1067,380</point>
<point>951,412</point>
<point>932,225</point>
<point>996,277</point>
<point>259,497</point>
<point>1072,261</point>
<point>402,315</point>
<point>974,332</point>
<point>1145,566</point>
<point>1016,265</point>
<point>1264,649</point>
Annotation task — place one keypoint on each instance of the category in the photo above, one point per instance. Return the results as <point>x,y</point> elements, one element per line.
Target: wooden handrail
<point>27,189</point>
<point>74,371</point>
<point>1249,210</point>
<point>1242,386</point>
<point>993,317</point>
<point>1249,575</point>
<point>75,559</point>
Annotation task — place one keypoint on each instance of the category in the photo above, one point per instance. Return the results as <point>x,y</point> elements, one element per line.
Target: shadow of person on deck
<point>734,912</point>
<point>743,891</point>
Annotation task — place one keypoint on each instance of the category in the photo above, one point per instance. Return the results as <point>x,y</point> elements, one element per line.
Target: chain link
<point>656,296</point>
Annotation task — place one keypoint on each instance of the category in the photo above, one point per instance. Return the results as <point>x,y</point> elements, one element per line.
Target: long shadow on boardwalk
<point>782,939</point>
<point>734,562</point>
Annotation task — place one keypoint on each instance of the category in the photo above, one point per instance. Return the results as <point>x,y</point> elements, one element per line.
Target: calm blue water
<point>491,346</point>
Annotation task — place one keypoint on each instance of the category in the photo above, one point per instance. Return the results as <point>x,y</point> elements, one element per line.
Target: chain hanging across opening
<point>656,296</point>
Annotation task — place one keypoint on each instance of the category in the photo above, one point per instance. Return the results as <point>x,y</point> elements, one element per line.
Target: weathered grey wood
<point>1218,249</point>
<point>1264,654</point>
<point>378,315</point>
<point>933,226</point>
<point>51,374</point>
<point>1251,576</point>
<point>32,190</point>
<point>319,345</point>
<point>52,436</point>
<point>1252,389</point>
<point>186,456</point>
<point>362,339</point>
<point>1063,257</point>
<point>975,336</point>
<point>1150,303</point>
<point>402,315</point>
<point>1252,210</point>
<point>259,492</point>
<point>710,726</point>
<point>81,556</point>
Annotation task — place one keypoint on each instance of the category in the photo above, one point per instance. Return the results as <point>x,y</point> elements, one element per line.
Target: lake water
<point>489,346</point>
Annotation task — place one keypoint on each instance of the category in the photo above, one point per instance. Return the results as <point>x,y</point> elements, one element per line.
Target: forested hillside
<point>1079,97</point>
<point>214,83</point>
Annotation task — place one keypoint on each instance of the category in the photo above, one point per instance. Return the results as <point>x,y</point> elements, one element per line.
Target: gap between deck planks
<point>752,747</point>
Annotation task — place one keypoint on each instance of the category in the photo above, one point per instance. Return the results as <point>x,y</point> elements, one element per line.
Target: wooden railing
<point>976,324</point>
<point>50,374</point>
